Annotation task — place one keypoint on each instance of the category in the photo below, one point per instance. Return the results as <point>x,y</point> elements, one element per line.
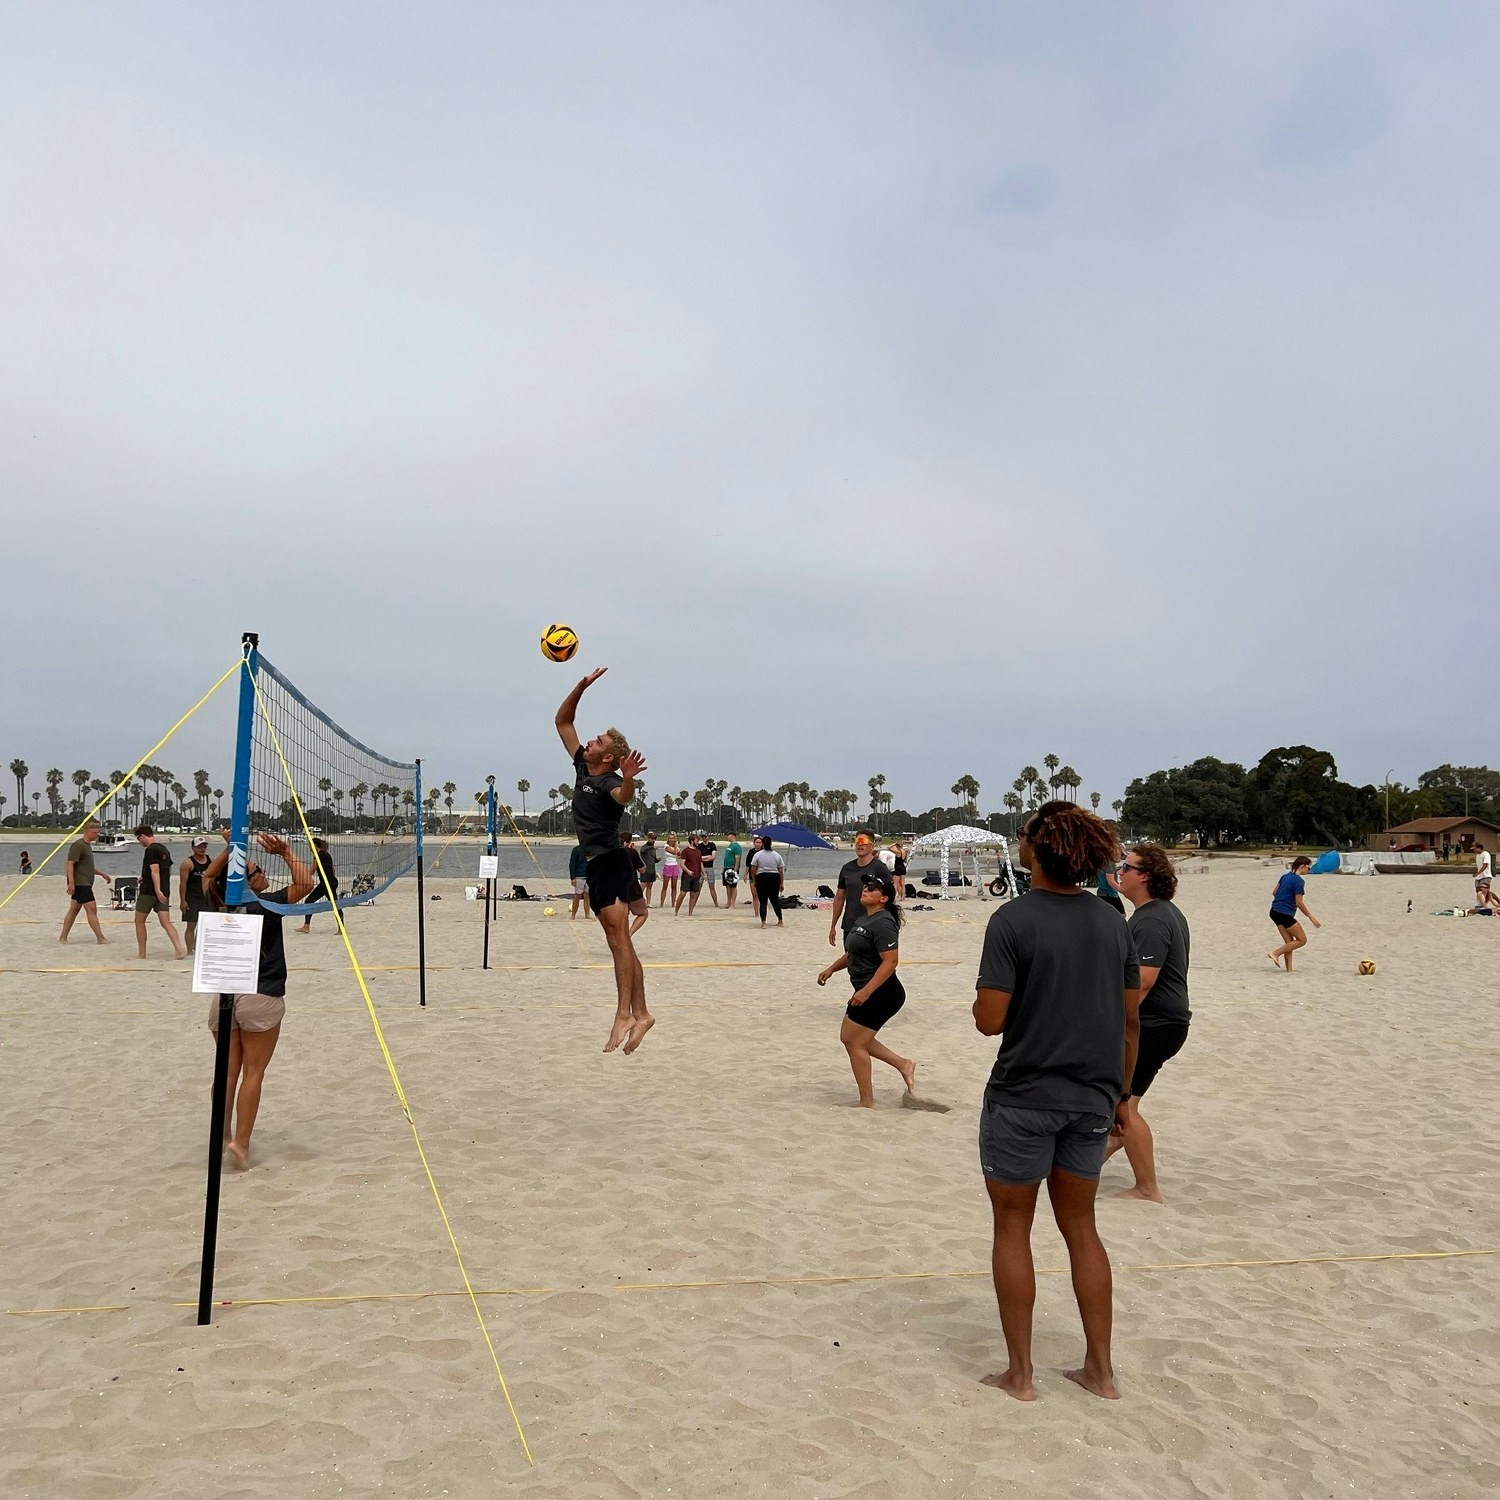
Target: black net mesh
<point>358,801</point>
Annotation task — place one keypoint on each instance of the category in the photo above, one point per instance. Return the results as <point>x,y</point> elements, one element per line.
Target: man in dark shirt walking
<point>606,769</point>
<point>1160,934</point>
<point>154,892</point>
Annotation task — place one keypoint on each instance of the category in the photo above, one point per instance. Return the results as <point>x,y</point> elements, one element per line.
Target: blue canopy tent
<point>793,834</point>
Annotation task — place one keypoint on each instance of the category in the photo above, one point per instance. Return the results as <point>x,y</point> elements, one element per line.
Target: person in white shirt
<point>1483,875</point>
<point>768,871</point>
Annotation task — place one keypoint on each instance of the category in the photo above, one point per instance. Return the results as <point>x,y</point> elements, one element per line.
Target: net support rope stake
<point>390,1064</point>
<point>93,812</point>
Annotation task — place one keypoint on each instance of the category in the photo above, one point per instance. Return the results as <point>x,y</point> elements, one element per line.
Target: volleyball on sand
<point>559,642</point>
<point>1367,966</point>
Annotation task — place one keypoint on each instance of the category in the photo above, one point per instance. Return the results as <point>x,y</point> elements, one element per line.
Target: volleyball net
<point>305,774</point>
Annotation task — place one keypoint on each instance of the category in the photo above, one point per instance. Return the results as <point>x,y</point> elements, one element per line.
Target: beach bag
<point>731,879</point>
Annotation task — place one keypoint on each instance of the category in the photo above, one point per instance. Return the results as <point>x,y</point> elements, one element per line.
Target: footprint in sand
<point>912,1101</point>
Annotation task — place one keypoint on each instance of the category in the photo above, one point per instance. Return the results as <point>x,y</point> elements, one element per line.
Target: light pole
<point>1388,800</point>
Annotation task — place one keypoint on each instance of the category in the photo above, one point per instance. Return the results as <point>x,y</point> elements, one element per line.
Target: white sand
<point>1315,1118</point>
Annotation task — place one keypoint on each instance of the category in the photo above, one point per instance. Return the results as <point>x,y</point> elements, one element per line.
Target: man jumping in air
<point>607,769</point>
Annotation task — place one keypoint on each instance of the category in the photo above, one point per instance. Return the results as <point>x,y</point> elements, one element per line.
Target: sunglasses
<point>1125,864</point>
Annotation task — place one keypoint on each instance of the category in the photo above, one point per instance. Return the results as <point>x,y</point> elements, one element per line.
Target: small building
<point>1444,836</point>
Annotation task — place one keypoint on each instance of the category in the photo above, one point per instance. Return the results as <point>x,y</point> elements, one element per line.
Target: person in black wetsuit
<point>871,953</point>
<point>606,769</point>
<point>320,891</point>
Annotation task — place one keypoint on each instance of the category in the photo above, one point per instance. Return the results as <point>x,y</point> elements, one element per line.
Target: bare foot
<point>1148,1195</point>
<point>638,1032</point>
<point>909,1075</point>
<point>181,954</point>
<point>62,940</point>
<point>618,1032</point>
<point>1019,1386</point>
<point>101,941</point>
<point>239,1156</point>
<point>1095,1384</point>
<point>1275,959</point>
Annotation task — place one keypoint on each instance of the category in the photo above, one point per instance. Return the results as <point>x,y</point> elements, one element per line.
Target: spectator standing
<point>846,905</point>
<point>1058,981</point>
<point>768,872</point>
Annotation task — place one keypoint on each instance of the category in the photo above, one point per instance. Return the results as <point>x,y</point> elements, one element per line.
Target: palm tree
<point>967,788</point>
<point>80,779</point>
<point>1029,779</point>
<point>179,792</point>
<point>219,804</point>
<point>36,803</point>
<point>668,801</point>
<point>203,785</point>
<point>338,807</point>
<point>356,796</point>
<point>1118,806</point>
<point>54,799</point>
<point>449,787</point>
<point>1094,800</point>
<point>20,770</point>
<point>875,784</point>
<point>1051,762</point>
<point>523,787</point>
<point>1013,804</point>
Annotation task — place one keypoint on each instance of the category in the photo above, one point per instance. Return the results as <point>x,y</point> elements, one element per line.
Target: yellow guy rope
<point>37,869</point>
<point>390,1064</point>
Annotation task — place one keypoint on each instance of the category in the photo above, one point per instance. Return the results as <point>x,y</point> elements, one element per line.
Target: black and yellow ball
<point>1367,966</point>
<point>559,642</point>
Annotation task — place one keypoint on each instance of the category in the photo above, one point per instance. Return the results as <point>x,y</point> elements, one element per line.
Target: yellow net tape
<point>94,810</point>
<point>390,1064</point>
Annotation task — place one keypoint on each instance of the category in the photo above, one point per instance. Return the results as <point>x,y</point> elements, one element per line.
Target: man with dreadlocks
<point>1060,983</point>
<point>606,769</point>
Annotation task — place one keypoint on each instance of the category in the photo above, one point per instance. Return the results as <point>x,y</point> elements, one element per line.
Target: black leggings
<point>768,888</point>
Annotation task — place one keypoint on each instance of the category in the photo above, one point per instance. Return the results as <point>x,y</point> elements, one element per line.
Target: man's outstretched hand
<point>592,678</point>
<point>634,763</point>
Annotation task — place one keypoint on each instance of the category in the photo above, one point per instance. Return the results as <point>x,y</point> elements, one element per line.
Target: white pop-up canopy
<point>964,836</point>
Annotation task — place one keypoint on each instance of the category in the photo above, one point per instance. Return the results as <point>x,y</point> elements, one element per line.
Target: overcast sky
<point>912,389</point>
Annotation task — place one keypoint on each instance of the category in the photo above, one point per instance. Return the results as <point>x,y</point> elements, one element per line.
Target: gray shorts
<point>1021,1146</point>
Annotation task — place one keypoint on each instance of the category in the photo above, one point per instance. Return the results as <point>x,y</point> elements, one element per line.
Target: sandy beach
<point>703,1274</point>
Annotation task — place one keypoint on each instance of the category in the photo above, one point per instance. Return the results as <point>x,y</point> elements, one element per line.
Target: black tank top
<point>192,877</point>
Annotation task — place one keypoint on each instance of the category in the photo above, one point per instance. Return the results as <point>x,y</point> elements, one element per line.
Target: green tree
<point>1051,762</point>
<point>1294,794</point>
<point>1030,778</point>
<point>203,785</point>
<point>1462,791</point>
<point>54,797</point>
<point>20,770</point>
<point>80,780</point>
<point>523,787</point>
<point>1094,800</point>
<point>449,787</point>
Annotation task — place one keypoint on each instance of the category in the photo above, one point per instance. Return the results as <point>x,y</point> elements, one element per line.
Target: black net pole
<point>217,1115</point>
<point>421,901</point>
<point>487,885</point>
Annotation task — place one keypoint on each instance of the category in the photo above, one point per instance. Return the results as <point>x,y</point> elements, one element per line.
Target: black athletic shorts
<point>690,883</point>
<point>1158,1045</point>
<point>880,1007</point>
<point>83,895</point>
<point>611,877</point>
<point>1284,918</point>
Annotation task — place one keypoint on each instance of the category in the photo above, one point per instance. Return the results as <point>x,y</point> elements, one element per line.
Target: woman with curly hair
<point>1160,934</point>
<point>1059,983</point>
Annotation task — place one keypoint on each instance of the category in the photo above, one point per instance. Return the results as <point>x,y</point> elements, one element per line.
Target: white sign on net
<point>489,866</point>
<point>226,959</point>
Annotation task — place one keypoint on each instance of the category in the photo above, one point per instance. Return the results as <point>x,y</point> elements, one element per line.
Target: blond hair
<point>619,746</point>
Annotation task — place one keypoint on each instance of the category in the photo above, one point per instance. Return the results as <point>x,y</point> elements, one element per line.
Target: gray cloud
<point>890,389</point>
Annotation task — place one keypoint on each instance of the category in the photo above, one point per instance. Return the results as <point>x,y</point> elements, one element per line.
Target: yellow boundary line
<point>731,1283</point>
<point>94,810</point>
<point>390,1064</point>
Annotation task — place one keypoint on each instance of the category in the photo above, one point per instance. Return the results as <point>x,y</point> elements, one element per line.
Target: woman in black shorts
<point>871,953</point>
